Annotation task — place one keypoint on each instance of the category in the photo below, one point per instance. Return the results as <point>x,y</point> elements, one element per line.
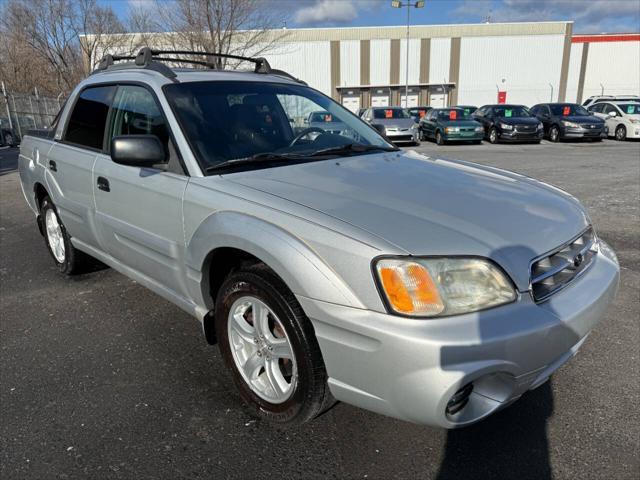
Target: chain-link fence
<point>20,113</point>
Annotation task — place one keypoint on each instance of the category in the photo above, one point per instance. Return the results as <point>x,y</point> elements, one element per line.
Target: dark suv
<point>569,120</point>
<point>509,123</point>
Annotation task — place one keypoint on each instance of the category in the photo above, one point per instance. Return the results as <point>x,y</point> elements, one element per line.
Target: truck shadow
<point>511,444</point>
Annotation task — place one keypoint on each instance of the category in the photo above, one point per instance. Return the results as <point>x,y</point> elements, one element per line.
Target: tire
<point>493,135</point>
<point>439,138</point>
<point>307,393</point>
<point>68,259</point>
<point>554,134</point>
<point>423,137</point>
<point>621,132</point>
<point>8,139</point>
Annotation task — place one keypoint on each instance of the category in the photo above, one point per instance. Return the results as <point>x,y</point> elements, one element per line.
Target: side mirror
<point>367,119</point>
<point>306,121</point>
<point>137,150</point>
<point>612,114</point>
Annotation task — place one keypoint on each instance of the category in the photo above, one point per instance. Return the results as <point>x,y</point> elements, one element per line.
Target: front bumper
<point>409,369</point>
<point>515,136</point>
<point>633,132</point>
<point>464,136</point>
<point>397,136</point>
<point>572,132</point>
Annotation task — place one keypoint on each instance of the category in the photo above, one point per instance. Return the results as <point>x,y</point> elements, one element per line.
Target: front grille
<point>526,128</point>
<point>557,269</point>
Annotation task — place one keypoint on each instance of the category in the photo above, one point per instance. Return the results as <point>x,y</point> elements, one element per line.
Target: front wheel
<point>270,347</point>
<point>439,138</point>
<point>621,132</point>
<point>493,135</point>
<point>554,134</point>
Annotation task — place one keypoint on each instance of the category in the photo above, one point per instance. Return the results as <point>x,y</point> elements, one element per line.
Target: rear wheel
<point>621,132</point>
<point>68,259</point>
<point>270,347</point>
<point>493,135</point>
<point>554,134</point>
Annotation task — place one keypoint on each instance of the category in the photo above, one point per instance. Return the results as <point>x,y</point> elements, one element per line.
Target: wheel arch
<point>40,192</point>
<point>226,240</point>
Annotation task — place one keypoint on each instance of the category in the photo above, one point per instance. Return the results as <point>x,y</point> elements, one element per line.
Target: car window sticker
<point>508,112</point>
<point>453,114</point>
<point>388,114</point>
<point>566,111</point>
<point>630,108</point>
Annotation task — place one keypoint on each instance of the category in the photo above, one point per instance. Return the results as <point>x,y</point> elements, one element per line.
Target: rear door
<point>70,162</point>
<point>139,210</point>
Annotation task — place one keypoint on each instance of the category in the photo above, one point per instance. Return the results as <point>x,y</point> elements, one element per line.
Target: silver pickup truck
<point>327,266</point>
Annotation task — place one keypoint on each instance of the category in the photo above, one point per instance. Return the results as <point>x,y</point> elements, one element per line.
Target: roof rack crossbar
<point>150,59</point>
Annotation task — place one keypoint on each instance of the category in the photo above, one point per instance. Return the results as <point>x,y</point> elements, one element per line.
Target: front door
<point>139,210</point>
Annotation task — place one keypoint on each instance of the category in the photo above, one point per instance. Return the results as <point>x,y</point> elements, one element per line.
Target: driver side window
<point>135,112</point>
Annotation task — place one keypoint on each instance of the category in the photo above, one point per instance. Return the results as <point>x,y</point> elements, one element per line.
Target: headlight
<point>540,126</point>
<point>442,286</point>
<point>414,126</point>
<point>451,129</point>
<point>506,126</point>
<point>567,123</point>
<point>479,129</point>
<point>633,120</point>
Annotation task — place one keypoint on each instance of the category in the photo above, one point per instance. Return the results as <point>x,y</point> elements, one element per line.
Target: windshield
<point>569,109</point>
<point>511,111</point>
<point>629,108</point>
<point>452,114</point>
<point>226,121</point>
<point>382,113</point>
<point>418,112</point>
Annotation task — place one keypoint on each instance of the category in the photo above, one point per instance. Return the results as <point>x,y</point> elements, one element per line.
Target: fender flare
<point>294,261</point>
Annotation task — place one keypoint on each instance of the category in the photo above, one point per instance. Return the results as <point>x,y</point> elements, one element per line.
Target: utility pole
<point>408,6</point>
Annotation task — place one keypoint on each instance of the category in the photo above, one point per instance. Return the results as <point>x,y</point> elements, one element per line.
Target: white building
<point>459,64</point>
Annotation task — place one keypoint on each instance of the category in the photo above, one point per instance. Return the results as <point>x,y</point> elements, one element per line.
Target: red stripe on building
<point>605,38</point>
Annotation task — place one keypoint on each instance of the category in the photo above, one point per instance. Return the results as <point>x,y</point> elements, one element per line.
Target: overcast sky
<point>590,16</point>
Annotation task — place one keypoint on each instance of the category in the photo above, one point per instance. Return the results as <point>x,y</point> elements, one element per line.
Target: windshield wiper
<point>352,148</point>
<point>259,157</point>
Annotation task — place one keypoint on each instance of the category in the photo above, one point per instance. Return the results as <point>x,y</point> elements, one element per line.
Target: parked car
<point>610,98</point>
<point>360,112</point>
<point>622,118</point>
<point>450,125</point>
<point>468,109</point>
<point>325,122</point>
<point>398,125</point>
<point>418,112</point>
<point>435,291</point>
<point>509,123</point>
<point>569,121</point>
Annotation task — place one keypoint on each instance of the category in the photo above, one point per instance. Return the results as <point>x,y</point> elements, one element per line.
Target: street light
<point>409,6</point>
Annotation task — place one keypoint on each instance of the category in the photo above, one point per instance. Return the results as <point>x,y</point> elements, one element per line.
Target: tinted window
<point>135,112</point>
<point>382,113</point>
<point>89,117</point>
<point>630,108</point>
<point>511,111</point>
<point>321,117</point>
<point>568,109</point>
<point>596,107</point>
<point>608,108</point>
<point>452,114</point>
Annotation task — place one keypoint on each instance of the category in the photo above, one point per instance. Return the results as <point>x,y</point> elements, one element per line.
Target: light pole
<point>408,5</point>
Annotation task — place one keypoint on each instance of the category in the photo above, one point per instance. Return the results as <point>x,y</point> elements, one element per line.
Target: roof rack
<point>150,60</point>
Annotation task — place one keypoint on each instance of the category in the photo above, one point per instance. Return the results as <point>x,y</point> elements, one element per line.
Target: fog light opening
<point>459,399</point>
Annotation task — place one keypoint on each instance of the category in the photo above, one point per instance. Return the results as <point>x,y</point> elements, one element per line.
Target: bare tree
<point>237,27</point>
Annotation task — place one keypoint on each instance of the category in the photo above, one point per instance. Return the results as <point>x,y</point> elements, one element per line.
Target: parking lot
<point>100,378</point>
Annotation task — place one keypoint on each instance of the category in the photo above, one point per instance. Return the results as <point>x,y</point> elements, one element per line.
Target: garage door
<point>351,102</point>
<point>379,100</point>
<point>413,100</point>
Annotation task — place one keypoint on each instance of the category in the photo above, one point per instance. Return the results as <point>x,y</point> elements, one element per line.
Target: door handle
<point>53,166</point>
<point>103,184</point>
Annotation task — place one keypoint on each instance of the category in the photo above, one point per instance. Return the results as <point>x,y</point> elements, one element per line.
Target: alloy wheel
<point>261,350</point>
<point>54,235</point>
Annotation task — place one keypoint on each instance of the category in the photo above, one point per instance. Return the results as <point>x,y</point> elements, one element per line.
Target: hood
<point>394,122</point>
<point>583,119</point>
<point>518,120</point>
<point>459,123</point>
<point>432,207</point>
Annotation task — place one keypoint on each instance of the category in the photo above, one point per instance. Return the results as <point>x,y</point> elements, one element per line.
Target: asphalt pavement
<point>100,378</point>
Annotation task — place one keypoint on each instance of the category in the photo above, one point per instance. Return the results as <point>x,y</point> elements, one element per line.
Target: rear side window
<point>89,117</point>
